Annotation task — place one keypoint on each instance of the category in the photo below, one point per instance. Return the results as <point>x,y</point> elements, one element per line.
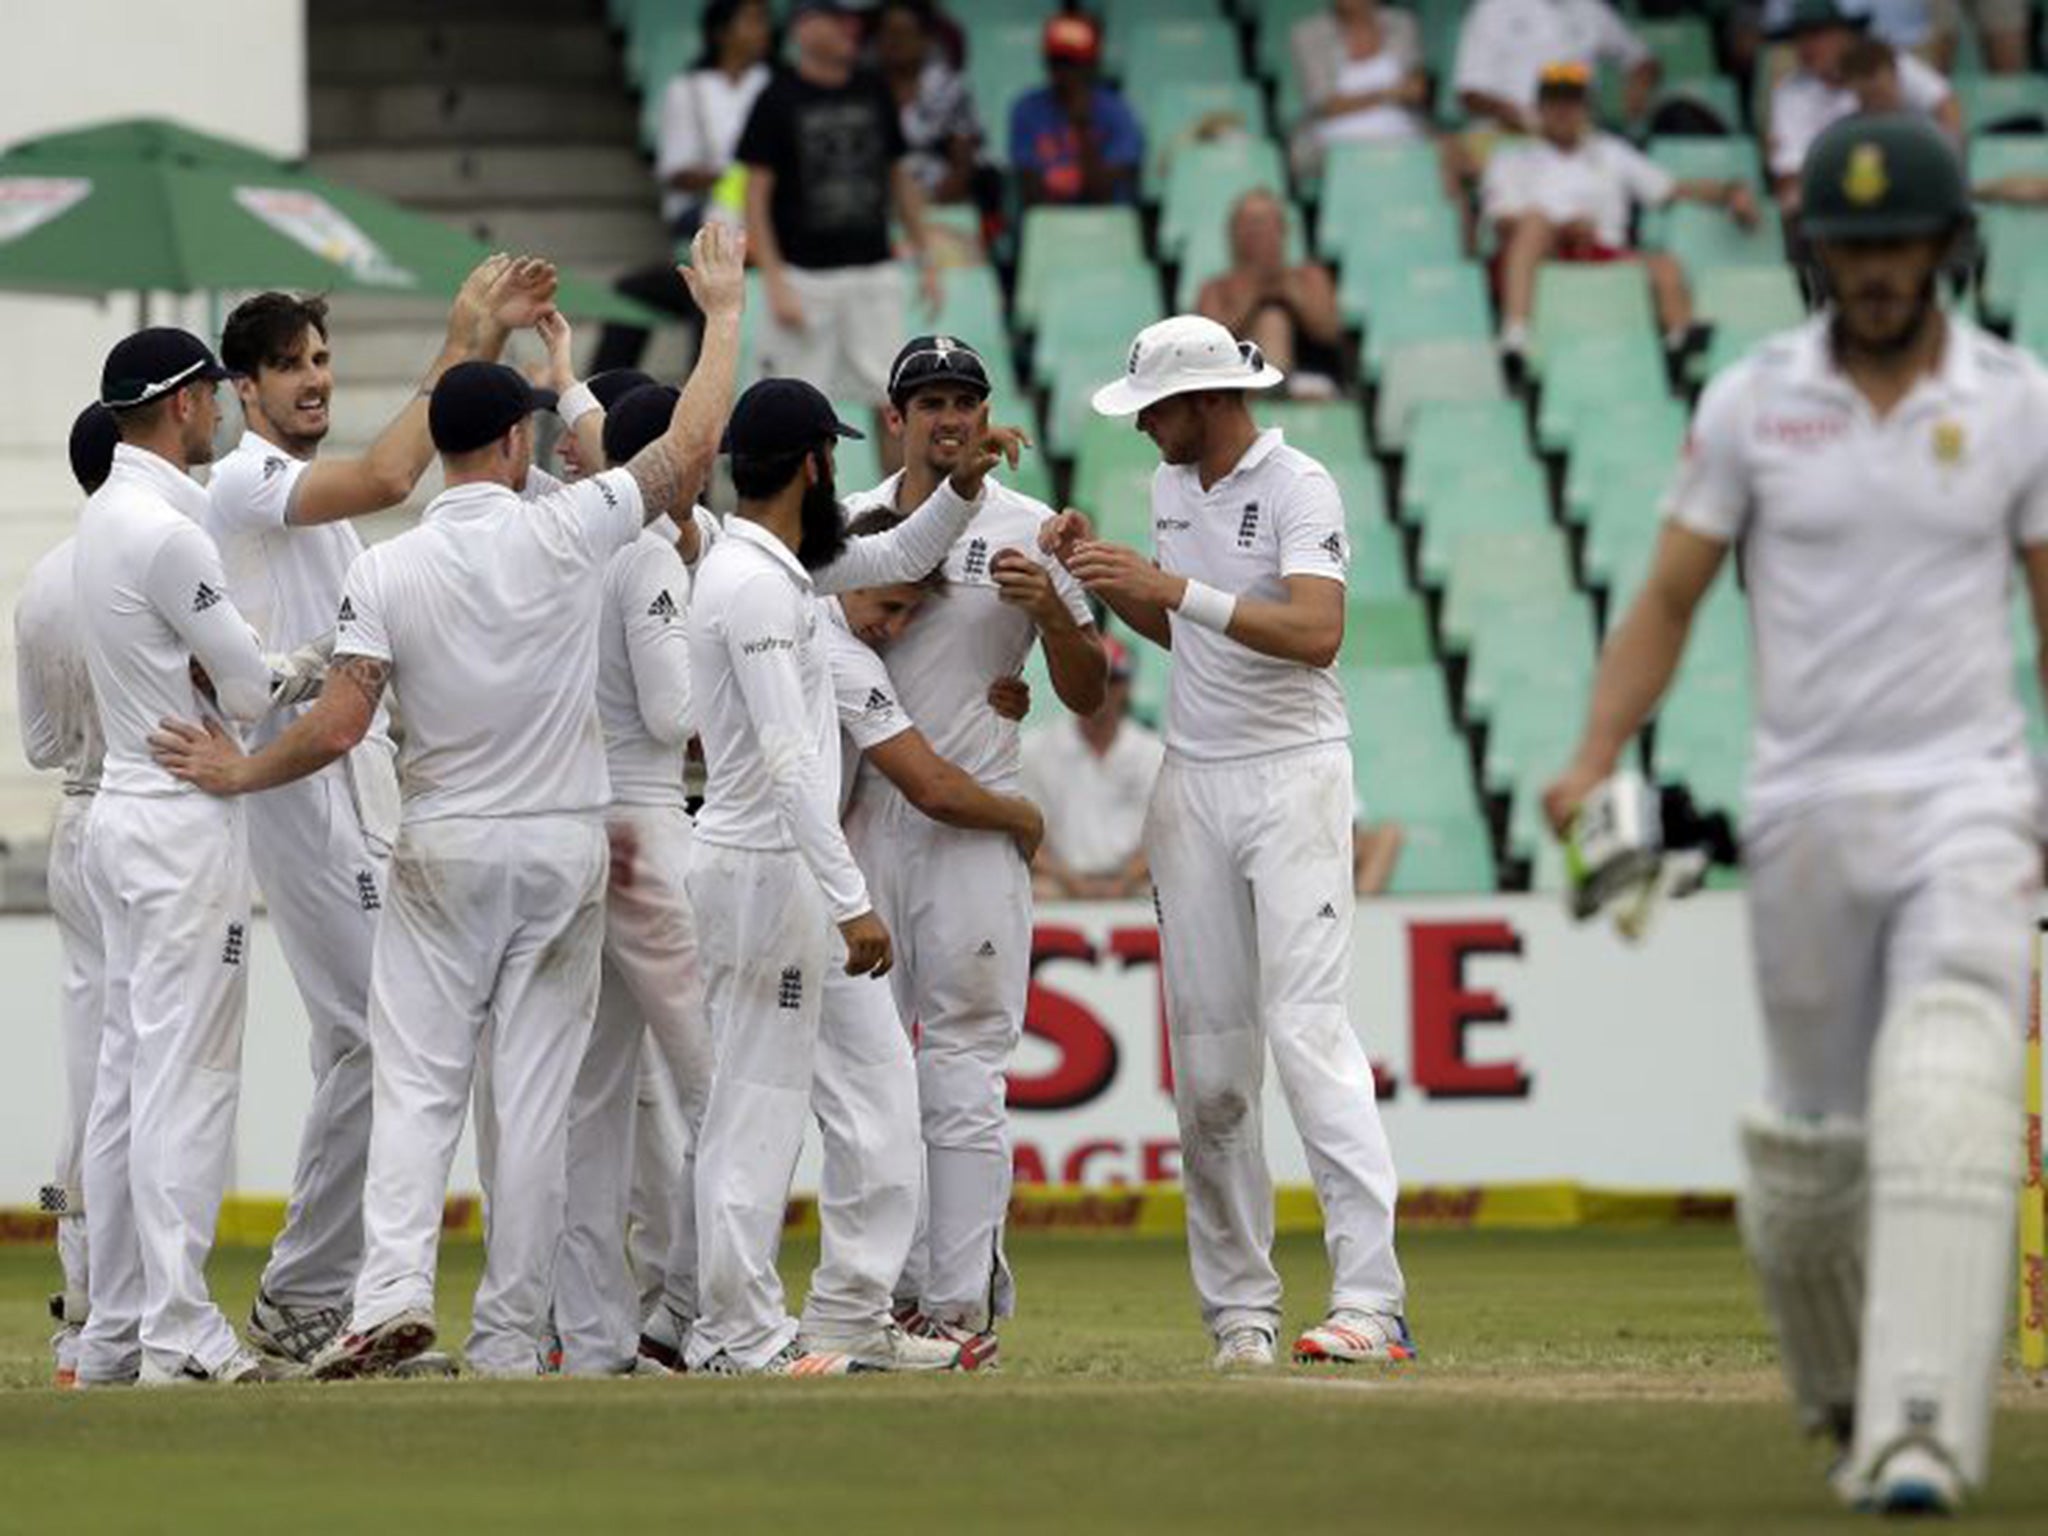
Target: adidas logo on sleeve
<point>204,598</point>
<point>347,615</point>
<point>663,607</point>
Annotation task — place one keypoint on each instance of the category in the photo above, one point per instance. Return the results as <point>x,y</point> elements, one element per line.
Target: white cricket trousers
<point>958,908</point>
<point>1858,900</point>
<point>170,880</point>
<point>794,1035</point>
<point>1251,863</point>
<point>653,987</point>
<point>322,879</point>
<point>82,1013</point>
<point>489,948</point>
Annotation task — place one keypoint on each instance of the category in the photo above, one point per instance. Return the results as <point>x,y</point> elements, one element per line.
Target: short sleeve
<point>682,146</point>
<point>359,621</point>
<point>765,139</point>
<point>252,493</point>
<point>869,711</point>
<point>1123,141</point>
<point>1710,495</point>
<point>1311,529</point>
<point>1648,182</point>
<point>607,507</point>
<point>1792,127</point>
<point>1479,61</point>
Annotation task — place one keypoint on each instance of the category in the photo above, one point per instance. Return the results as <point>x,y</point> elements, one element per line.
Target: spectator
<point>1504,44</point>
<point>826,161</point>
<point>933,106</point>
<point>1359,65</point>
<point>1816,91</point>
<point>1092,775</point>
<point>702,112</point>
<point>1872,69</point>
<point>1288,311</point>
<point>1568,195</point>
<point>1075,140</point>
<point>2002,28</point>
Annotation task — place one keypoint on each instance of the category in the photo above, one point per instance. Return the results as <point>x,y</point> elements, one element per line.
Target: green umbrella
<point>151,207</point>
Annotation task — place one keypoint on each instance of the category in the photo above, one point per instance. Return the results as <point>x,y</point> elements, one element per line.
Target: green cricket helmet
<point>1884,176</point>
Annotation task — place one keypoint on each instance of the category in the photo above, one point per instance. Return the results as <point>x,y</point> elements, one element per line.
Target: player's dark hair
<point>262,331</point>
<point>718,17</point>
<point>880,520</point>
<point>758,476</point>
<point>1868,56</point>
<point>920,10</point>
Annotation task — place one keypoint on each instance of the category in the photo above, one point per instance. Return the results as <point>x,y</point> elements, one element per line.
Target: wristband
<point>577,402</point>
<point>1204,605</point>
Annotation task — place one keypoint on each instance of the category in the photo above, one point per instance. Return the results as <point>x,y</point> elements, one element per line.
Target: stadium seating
<point>1206,179</point>
<point>1988,101</point>
<point>1443,302</point>
<point>1434,371</point>
<point>1066,240</point>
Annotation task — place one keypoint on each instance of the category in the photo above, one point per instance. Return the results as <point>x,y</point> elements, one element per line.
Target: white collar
<point>467,500</point>
<point>1262,448</point>
<point>1814,367</point>
<point>747,531</point>
<point>159,474</point>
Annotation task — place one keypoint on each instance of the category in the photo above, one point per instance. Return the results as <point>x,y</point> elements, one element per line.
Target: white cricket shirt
<point>152,600</point>
<point>965,636</point>
<point>60,723</point>
<point>286,579</point>
<point>1277,514</point>
<point>1803,106</point>
<point>767,714</point>
<point>1879,558</point>
<point>869,712</point>
<point>1504,45</point>
<point>1094,803</point>
<point>643,671</point>
<point>488,612</point>
<point>1601,182</point>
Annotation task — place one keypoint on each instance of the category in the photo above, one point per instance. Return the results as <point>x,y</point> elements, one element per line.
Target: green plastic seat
<point>2015,244</point>
<point>1093,315</point>
<point>1179,47</point>
<point>1990,99</point>
<point>1493,569</point>
<point>1433,371</point>
<point>1447,437</point>
<point>1427,779</point>
<point>1594,373</point>
<point>1532,731</point>
<point>1639,439</point>
<point>1006,62</point>
<point>1273,22</point>
<point>1206,180</point>
<point>1331,431</point>
<point>1732,157</point>
<point>1428,303</point>
<point>1390,704</point>
<point>1057,243</point>
<point>1170,107</point>
<point>1546,635</point>
<point>1487,498</point>
<point>1702,237</point>
<point>1994,156</point>
<point>1375,261</point>
<point>1362,182</point>
<point>1443,858</point>
<point>1759,299</point>
<point>1129,26</point>
<point>1617,554</point>
<point>1379,563</point>
<point>1575,301</point>
<point>1386,632</point>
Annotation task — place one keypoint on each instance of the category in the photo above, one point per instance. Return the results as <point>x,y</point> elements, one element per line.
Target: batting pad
<point>1945,1138</point>
<point>1803,1215</point>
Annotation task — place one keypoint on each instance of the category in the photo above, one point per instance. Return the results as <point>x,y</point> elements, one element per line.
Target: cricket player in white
<point>485,620</point>
<point>869,1087</point>
<point>60,728</point>
<point>772,876</point>
<point>1884,472</point>
<point>1249,837</point>
<point>319,845</point>
<point>169,874</point>
<point>957,901</point>
<point>652,985</point>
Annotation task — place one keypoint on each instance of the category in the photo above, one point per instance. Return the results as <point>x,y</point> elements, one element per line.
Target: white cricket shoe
<point>1348,1337</point>
<point>790,1360</point>
<point>978,1351</point>
<point>378,1350</point>
<point>293,1333</point>
<point>1915,1479</point>
<point>243,1368</point>
<point>665,1338</point>
<point>1244,1347</point>
<point>891,1347</point>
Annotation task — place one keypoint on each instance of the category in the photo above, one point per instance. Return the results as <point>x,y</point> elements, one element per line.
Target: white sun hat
<point>1179,356</point>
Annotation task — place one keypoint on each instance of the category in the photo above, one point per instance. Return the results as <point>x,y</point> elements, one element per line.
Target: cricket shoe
<point>428,1365</point>
<point>790,1360</point>
<point>380,1350</point>
<point>1244,1347</point>
<point>1914,1479</point>
<point>978,1351</point>
<point>243,1368</point>
<point>64,1342</point>
<point>665,1338</point>
<point>892,1347</point>
<point>1348,1337</point>
<point>297,1334</point>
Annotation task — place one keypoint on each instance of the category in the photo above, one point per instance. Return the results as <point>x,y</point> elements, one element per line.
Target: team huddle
<point>454,763</point>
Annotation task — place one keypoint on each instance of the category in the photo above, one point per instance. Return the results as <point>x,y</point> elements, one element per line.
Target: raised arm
<point>499,296</point>
<point>582,415</point>
<point>672,469</point>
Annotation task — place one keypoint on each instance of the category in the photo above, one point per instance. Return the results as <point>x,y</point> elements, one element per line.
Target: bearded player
<point>1885,473</point>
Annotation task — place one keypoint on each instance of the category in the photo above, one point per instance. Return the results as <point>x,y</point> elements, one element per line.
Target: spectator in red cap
<point>1076,140</point>
<point>1093,775</point>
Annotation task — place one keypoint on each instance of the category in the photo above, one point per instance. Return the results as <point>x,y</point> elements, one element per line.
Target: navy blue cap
<point>476,403</point>
<point>153,363</point>
<point>614,384</point>
<point>935,360</point>
<point>778,416</point>
<point>637,419</point>
<point>93,437</point>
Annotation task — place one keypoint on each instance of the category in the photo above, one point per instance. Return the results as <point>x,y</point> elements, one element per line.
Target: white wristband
<point>577,402</point>
<point>1204,605</point>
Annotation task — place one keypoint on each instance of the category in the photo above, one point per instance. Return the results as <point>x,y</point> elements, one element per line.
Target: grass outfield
<point>1584,1382</point>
